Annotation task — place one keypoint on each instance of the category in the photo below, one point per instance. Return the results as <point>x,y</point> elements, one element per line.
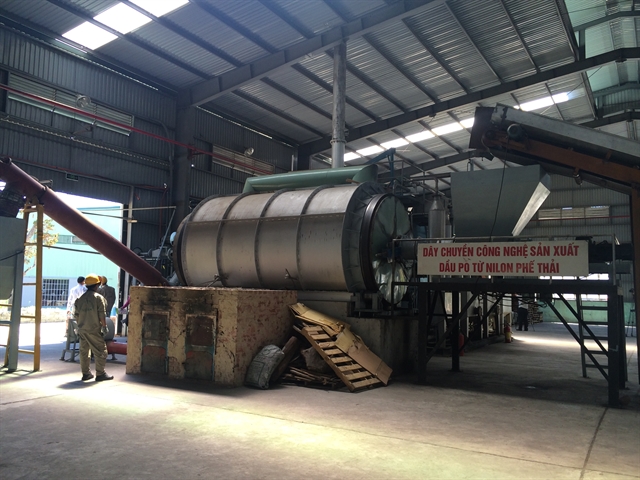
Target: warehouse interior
<point>291,170</point>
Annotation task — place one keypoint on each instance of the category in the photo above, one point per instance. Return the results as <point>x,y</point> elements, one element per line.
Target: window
<point>70,239</point>
<point>566,213</point>
<point>49,93</point>
<point>55,292</point>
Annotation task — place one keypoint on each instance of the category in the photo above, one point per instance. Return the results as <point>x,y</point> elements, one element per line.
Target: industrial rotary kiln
<point>328,238</point>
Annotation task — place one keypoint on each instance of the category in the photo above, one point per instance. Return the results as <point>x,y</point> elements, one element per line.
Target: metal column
<point>615,351</point>
<point>635,240</point>
<point>339,97</point>
<point>11,357</point>
<point>455,331</point>
<point>182,164</point>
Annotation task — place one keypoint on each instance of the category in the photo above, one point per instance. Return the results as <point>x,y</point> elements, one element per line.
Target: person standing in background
<point>75,293</point>
<point>109,294</point>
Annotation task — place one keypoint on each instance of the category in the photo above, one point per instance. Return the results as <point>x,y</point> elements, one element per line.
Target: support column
<point>181,168</point>
<point>423,333</point>
<point>339,95</point>
<point>635,240</point>
<point>614,324</point>
<point>16,313</point>
<point>455,332</point>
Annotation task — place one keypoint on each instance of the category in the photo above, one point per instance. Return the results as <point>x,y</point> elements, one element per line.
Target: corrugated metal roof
<point>541,27</point>
<point>55,18</point>
<point>140,59</point>
<point>500,43</point>
<point>316,17</point>
<point>256,17</point>
<point>378,70</point>
<point>398,60</point>
<point>236,106</point>
<point>404,49</point>
<point>441,32</point>
<point>179,47</point>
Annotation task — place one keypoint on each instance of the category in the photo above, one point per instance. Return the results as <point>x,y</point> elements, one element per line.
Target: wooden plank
<point>333,351</point>
<point>337,360</point>
<point>314,328</point>
<point>366,383</point>
<point>320,336</point>
<point>325,345</point>
<point>364,378</point>
<point>350,368</point>
<point>357,375</point>
<point>331,363</point>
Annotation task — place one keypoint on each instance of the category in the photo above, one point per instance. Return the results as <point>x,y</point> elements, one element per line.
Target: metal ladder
<point>13,338</point>
<point>586,334</point>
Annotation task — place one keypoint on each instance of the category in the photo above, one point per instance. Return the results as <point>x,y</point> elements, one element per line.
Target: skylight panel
<point>351,156</point>
<point>467,122</point>
<point>536,104</point>
<point>448,128</point>
<point>89,35</point>
<point>365,152</point>
<point>160,7</point>
<point>561,97</point>
<point>122,18</point>
<point>420,136</point>
<point>398,142</point>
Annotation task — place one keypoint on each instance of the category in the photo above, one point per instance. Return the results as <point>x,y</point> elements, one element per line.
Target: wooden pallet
<point>354,375</point>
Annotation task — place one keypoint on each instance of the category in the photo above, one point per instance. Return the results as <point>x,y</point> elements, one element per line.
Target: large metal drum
<point>327,238</point>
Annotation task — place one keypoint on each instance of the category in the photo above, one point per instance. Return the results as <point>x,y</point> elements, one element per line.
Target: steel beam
<point>318,81</point>
<point>598,21</point>
<point>436,56</point>
<point>443,162</point>
<point>287,18</point>
<point>339,94</point>
<point>372,85</point>
<point>211,89</point>
<point>619,55</point>
<point>515,28</point>
<point>234,25</point>
<point>384,53</point>
<point>635,240</point>
<point>471,41</point>
<point>279,113</point>
<point>613,119</point>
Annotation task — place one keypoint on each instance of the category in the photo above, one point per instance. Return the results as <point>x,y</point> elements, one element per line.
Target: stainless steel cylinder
<point>327,238</point>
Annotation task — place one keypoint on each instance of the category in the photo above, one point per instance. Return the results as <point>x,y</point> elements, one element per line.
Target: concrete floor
<point>517,411</point>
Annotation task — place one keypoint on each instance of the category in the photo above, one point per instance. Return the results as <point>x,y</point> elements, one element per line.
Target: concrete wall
<point>204,333</point>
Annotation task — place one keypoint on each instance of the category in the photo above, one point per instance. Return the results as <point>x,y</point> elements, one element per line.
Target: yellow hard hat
<point>91,279</point>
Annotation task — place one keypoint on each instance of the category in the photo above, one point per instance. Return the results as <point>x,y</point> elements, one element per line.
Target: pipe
<point>311,178</point>
<point>73,221</point>
<point>339,99</point>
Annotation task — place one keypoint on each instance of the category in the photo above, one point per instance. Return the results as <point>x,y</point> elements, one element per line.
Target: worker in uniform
<point>89,312</point>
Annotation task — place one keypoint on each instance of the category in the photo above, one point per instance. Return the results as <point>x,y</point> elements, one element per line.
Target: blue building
<point>70,257</point>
